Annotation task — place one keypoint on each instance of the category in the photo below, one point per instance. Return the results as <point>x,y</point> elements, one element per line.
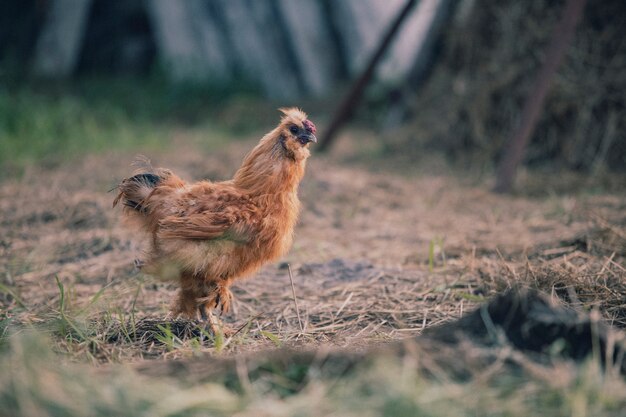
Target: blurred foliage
<point>36,384</point>
<point>489,59</point>
<point>51,122</point>
<point>36,381</point>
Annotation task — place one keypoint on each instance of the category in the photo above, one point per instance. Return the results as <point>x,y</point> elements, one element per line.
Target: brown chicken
<point>209,234</point>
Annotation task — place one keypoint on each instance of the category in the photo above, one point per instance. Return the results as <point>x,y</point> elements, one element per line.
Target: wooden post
<point>516,147</point>
<point>347,106</point>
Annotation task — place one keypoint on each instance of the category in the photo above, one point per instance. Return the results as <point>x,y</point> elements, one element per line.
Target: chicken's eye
<point>293,129</point>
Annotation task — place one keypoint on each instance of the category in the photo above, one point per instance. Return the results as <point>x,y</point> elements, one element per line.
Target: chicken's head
<point>296,132</point>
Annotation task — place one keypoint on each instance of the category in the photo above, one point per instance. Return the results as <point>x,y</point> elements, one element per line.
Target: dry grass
<point>586,272</point>
<point>378,257</point>
<point>414,377</point>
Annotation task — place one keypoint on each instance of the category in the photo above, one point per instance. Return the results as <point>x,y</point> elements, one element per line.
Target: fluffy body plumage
<point>209,234</point>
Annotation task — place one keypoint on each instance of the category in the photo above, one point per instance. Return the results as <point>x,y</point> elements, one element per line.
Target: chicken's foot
<point>223,299</point>
<point>139,264</point>
<point>213,324</point>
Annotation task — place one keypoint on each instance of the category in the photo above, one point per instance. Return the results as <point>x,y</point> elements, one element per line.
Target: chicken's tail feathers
<point>134,191</point>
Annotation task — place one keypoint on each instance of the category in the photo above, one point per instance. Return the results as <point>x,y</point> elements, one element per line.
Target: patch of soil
<point>533,323</point>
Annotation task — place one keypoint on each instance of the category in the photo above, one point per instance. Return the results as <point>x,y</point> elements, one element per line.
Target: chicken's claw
<point>223,299</point>
<point>219,297</point>
<point>139,263</point>
<point>214,324</point>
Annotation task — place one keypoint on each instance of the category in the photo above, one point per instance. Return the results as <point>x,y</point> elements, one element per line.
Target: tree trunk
<point>261,47</point>
<point>516,148</point>
<point>310,38</point>
<point>59,44</point>
<point>189,44</point>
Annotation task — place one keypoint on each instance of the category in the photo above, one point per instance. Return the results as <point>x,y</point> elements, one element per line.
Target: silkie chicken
<point>208,234</point>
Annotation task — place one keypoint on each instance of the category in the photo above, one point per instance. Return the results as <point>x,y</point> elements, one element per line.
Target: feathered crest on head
<point>294,114</point>
<point>142,164</point>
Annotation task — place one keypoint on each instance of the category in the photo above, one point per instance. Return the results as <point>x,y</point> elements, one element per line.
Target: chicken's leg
<point>223,298</point>
<point>216,296</point>
<point>209,319</point>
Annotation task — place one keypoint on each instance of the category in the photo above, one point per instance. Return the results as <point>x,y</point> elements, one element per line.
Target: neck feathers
<point>267,169</point>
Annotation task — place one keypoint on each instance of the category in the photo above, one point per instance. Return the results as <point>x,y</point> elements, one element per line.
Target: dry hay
<point>518,329</point>
<point>586,271</point>
<point>357,304</point>
<point>377,257</point>
<point>340,302</point>
<point>484,371</point>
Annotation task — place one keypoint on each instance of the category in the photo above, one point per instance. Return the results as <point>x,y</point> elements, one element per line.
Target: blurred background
<point>82,76</point>
<point>422,106</point>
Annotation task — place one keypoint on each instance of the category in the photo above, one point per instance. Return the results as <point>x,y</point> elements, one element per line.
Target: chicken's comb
<point>309,126</point>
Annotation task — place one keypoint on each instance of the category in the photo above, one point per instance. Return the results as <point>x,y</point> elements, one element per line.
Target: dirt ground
<point>379,255</point>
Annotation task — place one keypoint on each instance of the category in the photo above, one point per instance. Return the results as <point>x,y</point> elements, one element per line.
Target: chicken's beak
<point>308,137</point>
